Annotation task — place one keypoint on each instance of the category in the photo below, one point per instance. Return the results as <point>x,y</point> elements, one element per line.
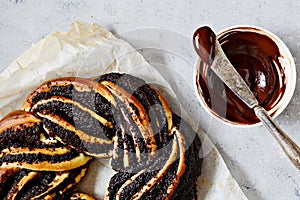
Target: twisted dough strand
<point>67,121</point>
<point>34,166</point>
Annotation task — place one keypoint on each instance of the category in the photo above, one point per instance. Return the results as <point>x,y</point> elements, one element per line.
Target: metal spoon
<point>211,53</point>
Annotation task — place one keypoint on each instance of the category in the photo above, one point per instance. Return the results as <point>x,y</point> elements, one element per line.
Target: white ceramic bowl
<point>289,69</point>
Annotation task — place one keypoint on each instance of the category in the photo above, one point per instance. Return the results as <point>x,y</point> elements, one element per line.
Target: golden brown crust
<point>139,117</point>
<point>81,196</point>
<point>80,84</point>
<point>65,121</point>
<point>16,118</point>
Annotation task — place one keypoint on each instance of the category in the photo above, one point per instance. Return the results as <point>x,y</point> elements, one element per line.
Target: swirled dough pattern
<point>66,122</point>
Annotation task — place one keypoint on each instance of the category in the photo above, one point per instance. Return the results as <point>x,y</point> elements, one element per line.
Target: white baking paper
<point>89,50</point>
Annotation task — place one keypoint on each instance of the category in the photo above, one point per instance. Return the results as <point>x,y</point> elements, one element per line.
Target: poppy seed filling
<point>46,147</point>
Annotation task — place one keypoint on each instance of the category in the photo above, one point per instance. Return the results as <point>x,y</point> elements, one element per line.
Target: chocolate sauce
<point>256,58</point>
<point>204,43</point>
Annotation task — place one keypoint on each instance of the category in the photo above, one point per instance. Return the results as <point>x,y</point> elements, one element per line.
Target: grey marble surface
<point>252,155</point>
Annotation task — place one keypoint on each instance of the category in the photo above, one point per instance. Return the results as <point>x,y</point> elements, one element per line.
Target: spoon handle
<point>288,145</point>
<point>211,53</point>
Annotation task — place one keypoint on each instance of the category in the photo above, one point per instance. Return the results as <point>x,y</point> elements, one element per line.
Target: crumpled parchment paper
<point>89,50</point>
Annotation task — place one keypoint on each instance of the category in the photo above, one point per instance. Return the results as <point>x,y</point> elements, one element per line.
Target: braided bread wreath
<point>47,146</point>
